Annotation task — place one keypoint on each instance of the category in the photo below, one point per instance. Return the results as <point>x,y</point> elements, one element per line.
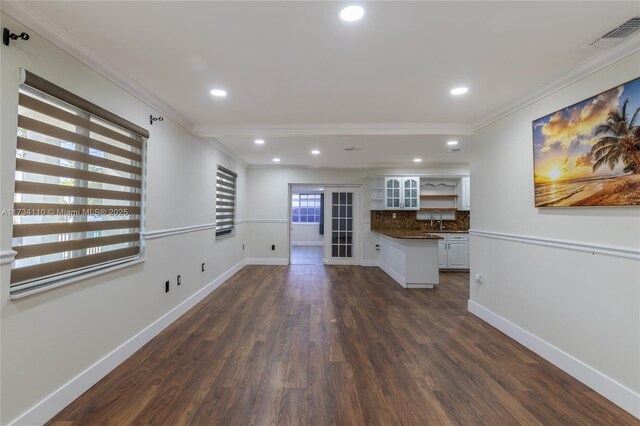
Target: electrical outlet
<point>377,215</point>
<point>202,266</point>
<point>166,286</point>
<point>393,215</point>
<point>273,246</point>
<point>478,279</point>
<point>377,247</point>
<point>178,280</point>
<point>243,247</point>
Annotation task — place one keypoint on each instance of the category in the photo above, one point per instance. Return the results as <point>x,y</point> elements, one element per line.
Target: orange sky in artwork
<point>563,140</point>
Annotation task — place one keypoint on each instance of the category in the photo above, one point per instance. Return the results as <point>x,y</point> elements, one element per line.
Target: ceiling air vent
<point>352,148</point>
<point>615,35</point>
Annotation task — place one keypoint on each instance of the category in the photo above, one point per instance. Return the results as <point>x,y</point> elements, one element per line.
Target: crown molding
<point>55,34</point>
<point>590,66</point>
<point>331,129</point>
<point>215,143</point>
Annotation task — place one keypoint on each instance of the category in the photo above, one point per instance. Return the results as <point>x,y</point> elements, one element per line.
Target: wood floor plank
<point>336,345</point>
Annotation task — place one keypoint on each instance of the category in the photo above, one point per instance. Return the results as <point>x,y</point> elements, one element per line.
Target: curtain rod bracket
<point>152,119</point>
<point>7,36</point>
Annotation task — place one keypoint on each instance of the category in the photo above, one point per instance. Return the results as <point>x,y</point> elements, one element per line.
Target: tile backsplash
<point>406,219</point>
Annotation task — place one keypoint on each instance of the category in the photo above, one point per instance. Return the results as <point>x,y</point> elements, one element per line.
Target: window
<point>305,208</point>
<point>78,190</point>
<point>225,201</point>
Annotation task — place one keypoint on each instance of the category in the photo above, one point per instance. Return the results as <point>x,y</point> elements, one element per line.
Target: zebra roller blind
<point>78,190</point>
<point>225,201</point>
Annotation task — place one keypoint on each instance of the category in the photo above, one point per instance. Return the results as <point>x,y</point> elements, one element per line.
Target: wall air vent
<point>353,148</point>
<point>615,35</point>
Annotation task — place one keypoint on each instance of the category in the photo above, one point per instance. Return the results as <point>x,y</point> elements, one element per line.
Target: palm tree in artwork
<point>620,141</point>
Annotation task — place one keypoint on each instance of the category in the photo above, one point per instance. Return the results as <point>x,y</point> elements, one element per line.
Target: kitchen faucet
<point>440,213</point>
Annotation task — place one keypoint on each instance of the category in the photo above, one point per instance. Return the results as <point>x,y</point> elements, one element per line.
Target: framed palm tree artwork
<point>588,154</point>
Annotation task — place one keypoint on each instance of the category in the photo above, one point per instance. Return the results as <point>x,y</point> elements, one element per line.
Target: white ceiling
<point>295,64</point>
<point>375,150</point>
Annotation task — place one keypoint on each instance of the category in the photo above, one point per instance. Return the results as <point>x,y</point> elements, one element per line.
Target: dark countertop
<point>448,231</point>
<point>407,234</point>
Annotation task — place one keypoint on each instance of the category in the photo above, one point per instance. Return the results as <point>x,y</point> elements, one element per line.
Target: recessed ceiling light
<point>219,93</point>
<point>351,13</point>
<point>315,152</point>
<point>417,160</point>
<point>320,189</point>
<point>259,141</point>
<point>452,143</point>
<point>276,160</point>
<point>459,90</point>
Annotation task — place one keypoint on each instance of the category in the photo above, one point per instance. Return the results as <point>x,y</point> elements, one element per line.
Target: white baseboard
<point>267,261</point>
<point>369,262</point>
<point>604,385</point>
<point>393,274</point>
<point>420,285</point>
<point>52,404</point>
<point>307,243</point>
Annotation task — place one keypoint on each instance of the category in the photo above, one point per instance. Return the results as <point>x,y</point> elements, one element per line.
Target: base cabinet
<point>442,254</point>
<point>458,255</point>
<point>410,262</point>
<point>453,251</point>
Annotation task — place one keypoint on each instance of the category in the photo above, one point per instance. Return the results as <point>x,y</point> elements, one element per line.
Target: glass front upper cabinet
<point>402,193</point>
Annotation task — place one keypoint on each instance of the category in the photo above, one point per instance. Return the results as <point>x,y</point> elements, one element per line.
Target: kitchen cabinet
<point>458,254</point>
<point>464,193</point>
<point>442,254</point>
<point>410,261</point>
<point>402,193</point>
<point>453,251</point>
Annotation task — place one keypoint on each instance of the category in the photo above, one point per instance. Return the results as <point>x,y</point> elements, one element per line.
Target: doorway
<point>306,225</point>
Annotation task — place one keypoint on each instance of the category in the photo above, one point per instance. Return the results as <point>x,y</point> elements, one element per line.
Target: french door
<point>342,234</point>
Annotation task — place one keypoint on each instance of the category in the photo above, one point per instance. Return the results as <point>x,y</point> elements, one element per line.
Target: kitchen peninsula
<point>410,257</point>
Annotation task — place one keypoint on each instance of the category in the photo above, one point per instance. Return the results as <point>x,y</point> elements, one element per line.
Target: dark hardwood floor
<point>337,345</point>
<point>307,255</point>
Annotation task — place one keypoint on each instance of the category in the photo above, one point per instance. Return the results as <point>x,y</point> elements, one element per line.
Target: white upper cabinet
<point>464,193</point>
<point>411,193</point>
<point>392,194</point>
<point>402,193</point>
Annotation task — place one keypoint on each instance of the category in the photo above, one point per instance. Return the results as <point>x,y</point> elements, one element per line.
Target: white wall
<point>267,203</point>
<point>49,338</point>
<point>306,234</point>
<point>584,304</point>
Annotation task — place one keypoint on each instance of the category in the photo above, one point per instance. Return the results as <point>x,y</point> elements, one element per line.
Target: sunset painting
<point>588,154</point>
